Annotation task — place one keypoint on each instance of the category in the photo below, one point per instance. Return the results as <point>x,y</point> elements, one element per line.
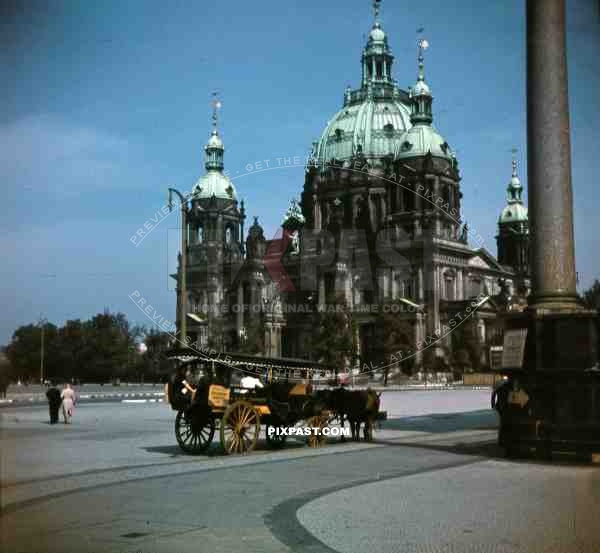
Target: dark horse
<point>357,406</point>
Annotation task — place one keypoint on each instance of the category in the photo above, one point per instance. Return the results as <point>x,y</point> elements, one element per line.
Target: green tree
<point>155,360</point>
<point>396,340</point>
<point>74,351</point>
<point>99,349</point>
<point>466,346</point>
<point>6,373</point>
<point>25,352</point>
<point>591,299</point>
<point>334,343</point>
<point>591,296</point>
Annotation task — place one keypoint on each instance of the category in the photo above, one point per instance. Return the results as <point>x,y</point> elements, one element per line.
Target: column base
<point>560,408</point>
<point>555,302</point>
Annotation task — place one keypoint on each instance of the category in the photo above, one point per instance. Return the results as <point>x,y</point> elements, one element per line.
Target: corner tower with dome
<point>513,228</point>
<point>215,231</point>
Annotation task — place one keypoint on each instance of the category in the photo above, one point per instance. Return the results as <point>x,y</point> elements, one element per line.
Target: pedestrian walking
<point>68,402</point>
<point>54,401</point>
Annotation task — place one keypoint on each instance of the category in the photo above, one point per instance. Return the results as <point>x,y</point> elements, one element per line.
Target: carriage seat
<point>280,409</point>
<point>298,390</point>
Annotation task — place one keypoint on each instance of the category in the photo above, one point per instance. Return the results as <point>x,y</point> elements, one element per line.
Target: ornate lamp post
<point>183,263</point>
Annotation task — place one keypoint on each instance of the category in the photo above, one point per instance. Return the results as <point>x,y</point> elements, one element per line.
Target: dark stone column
<point>549,157</point>
<point>548,401</point>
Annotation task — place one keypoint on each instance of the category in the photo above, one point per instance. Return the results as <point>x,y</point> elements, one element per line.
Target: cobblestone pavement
<point>115,481</point>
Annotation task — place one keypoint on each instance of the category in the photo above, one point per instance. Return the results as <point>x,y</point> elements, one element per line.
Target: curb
<point>151,397</point>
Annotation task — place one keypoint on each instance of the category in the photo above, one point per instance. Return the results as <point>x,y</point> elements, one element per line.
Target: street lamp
<point>183,264</point>
<point>43,322</point>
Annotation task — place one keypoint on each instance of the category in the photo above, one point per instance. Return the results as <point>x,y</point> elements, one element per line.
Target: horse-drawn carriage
<point>212,403</point>
<point>239,414</point>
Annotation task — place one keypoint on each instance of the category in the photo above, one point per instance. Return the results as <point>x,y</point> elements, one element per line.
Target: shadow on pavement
<point>485,419</point>
<point>215,449</point>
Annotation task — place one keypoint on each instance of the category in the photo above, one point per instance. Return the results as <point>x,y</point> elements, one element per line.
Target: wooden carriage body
<point>240,413</point>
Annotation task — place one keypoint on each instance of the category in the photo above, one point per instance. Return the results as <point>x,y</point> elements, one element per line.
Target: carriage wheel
<point>194,430</point>
<point>274,440</point>
<point>240,428</point>
<point>317,439</point>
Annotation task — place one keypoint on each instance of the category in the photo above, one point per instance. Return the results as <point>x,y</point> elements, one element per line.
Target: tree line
<point>101,349</point>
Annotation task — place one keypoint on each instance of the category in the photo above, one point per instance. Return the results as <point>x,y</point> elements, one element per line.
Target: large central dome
<point>373,126</point>
<point>374,117</point>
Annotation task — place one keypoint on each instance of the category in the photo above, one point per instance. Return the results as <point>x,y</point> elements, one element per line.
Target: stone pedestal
<point>557,341</point>
<point>552,402</point>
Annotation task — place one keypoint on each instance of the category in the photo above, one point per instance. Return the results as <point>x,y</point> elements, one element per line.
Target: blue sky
<point>108,103</point>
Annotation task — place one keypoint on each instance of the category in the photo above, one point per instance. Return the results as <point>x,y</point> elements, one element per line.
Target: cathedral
<point>378,228</point>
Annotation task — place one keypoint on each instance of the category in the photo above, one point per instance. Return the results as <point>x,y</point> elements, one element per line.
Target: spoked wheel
<point>274,440</point>
<point>194,429</point>
<point>316,437</point>
<point>240,428</point>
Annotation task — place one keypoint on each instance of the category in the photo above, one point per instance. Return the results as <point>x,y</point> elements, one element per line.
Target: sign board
<point>496,357</point>
<point>514,348</point>
<point>218,396</point>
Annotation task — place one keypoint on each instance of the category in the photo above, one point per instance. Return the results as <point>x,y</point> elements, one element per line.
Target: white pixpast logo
<point>307,431</point>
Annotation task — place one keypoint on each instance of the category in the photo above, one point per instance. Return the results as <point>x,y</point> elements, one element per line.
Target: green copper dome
<point>375,116</point>
<point>214,182</point>
<point>515,211</point>
<point>371,126</point>
<point>421,140</point>
<point>377,34</point>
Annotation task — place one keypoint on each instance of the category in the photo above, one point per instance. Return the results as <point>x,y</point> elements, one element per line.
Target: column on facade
<point>454,286</point>
<point>418,209</point>
<point>316,213</point>
<point>436,195</point>
<point>383,202</point>
<point>434,321</point>
<point>239,318</point>
<point>322,298</point>
<point>254,299</point>
<point>420,291</point>
<point>277,348</point>
<point>357,339</point>
<point>419,333</point>
<point>348,289</point>
<point>268,338</point>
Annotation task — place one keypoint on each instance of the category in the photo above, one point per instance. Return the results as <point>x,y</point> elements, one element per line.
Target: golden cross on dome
<point>376,8</point>
<point>514,160</point>
<point>216,104</point>
<point>423,44</point>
